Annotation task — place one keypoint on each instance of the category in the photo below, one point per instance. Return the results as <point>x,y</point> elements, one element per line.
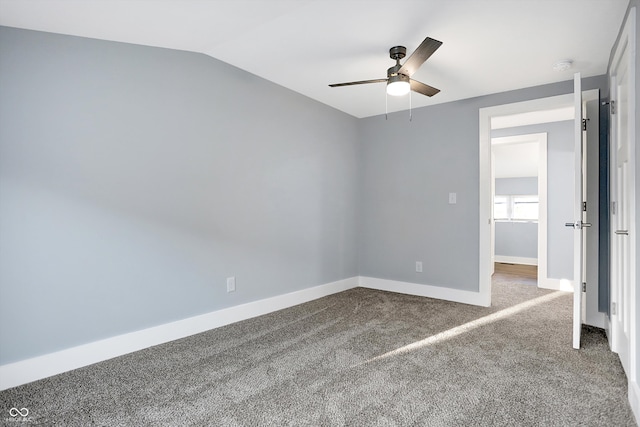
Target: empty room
<point>302,212</point>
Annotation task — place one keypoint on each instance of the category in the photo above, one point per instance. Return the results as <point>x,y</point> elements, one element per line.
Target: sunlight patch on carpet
<point>469,326</point>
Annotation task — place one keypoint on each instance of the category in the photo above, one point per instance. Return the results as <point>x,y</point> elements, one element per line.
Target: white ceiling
<point>489,46</point>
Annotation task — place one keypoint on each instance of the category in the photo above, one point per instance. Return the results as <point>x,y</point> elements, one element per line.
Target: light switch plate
<point>452,198</point>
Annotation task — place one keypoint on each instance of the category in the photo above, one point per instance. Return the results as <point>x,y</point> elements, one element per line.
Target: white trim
<point>485,206</point>
<point>607,329</point>
<point>543,215</point>
<point>533,118</point>
<point>633,236</point>
<point>634,399</point>
<point>25,371</point>
<point>430,291</point>
<point>516,260</point>
<point>578,240</point>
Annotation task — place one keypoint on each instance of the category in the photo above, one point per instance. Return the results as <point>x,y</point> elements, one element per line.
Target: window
<point>501,207</point>
<point>515,208</point>
<point>524,208</point>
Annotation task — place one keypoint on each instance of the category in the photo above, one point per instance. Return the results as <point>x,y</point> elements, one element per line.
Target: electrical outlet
<point>231,284</point>
<point>418,266</point>
<point>452,198</point>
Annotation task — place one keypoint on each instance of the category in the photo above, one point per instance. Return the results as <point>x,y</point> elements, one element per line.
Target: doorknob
<point>622,232</point>
<point>578,224</point>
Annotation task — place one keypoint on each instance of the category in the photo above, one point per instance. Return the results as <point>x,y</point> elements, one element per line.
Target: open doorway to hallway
<point>519,200</point>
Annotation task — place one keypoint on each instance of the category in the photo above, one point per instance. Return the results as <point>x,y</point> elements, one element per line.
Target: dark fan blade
<point>422,88</point>
<point>362,82</point>
<point>421,54</point>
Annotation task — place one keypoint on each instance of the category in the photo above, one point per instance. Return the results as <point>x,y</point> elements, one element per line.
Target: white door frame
<point>486,114</point>
<point>578,215</point>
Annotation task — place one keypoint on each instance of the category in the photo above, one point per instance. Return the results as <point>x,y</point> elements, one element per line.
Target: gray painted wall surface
<point>516,239</point>
<point>134,180</point>
<point>559,192</point>
<point>408,169</point>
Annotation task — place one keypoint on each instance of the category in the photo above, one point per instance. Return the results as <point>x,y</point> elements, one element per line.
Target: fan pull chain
<point>386,104</point>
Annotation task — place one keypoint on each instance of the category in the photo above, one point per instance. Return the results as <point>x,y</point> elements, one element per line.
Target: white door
<point>577,223</point>
<point>622,197</point>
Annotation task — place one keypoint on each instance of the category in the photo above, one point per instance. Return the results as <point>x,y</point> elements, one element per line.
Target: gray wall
<point>134,180</point>
<point>560,186</point>
<point>516,239</point>
<point>408,169</point>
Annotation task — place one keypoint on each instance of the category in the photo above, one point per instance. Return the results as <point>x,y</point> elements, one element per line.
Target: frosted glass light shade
<point>398,87</point>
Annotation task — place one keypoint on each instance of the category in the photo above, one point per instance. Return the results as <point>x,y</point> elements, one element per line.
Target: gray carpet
<point>358,358</point>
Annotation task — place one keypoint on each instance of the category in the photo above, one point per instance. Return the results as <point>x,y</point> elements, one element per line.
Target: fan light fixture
<point>398,85</point>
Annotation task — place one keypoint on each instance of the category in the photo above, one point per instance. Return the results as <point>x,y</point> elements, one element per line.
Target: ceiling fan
<point>399,81</point>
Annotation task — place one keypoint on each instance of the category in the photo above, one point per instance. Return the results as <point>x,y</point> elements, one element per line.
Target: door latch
<point>578,224</point>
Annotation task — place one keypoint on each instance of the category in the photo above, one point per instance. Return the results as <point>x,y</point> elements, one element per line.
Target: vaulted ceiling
<point>489,46</point>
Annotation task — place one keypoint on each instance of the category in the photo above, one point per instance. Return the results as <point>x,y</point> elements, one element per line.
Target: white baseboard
<point>25,371</point>
<point>438,292</point>
<point>634,399</point>
<point>516,260</point>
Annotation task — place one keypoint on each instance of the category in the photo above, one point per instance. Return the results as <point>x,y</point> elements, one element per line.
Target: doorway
<point>519,197</point>
<point>527,113</point>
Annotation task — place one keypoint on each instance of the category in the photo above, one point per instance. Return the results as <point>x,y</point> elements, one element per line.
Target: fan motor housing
<point>393,73</point>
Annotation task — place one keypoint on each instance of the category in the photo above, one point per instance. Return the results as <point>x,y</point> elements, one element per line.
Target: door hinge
<point>613,308</point>
<point>584,124</point>
<point>584,206</point>
<point>584,286</point>
<point>613,208</point>
<point>612,106</point>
